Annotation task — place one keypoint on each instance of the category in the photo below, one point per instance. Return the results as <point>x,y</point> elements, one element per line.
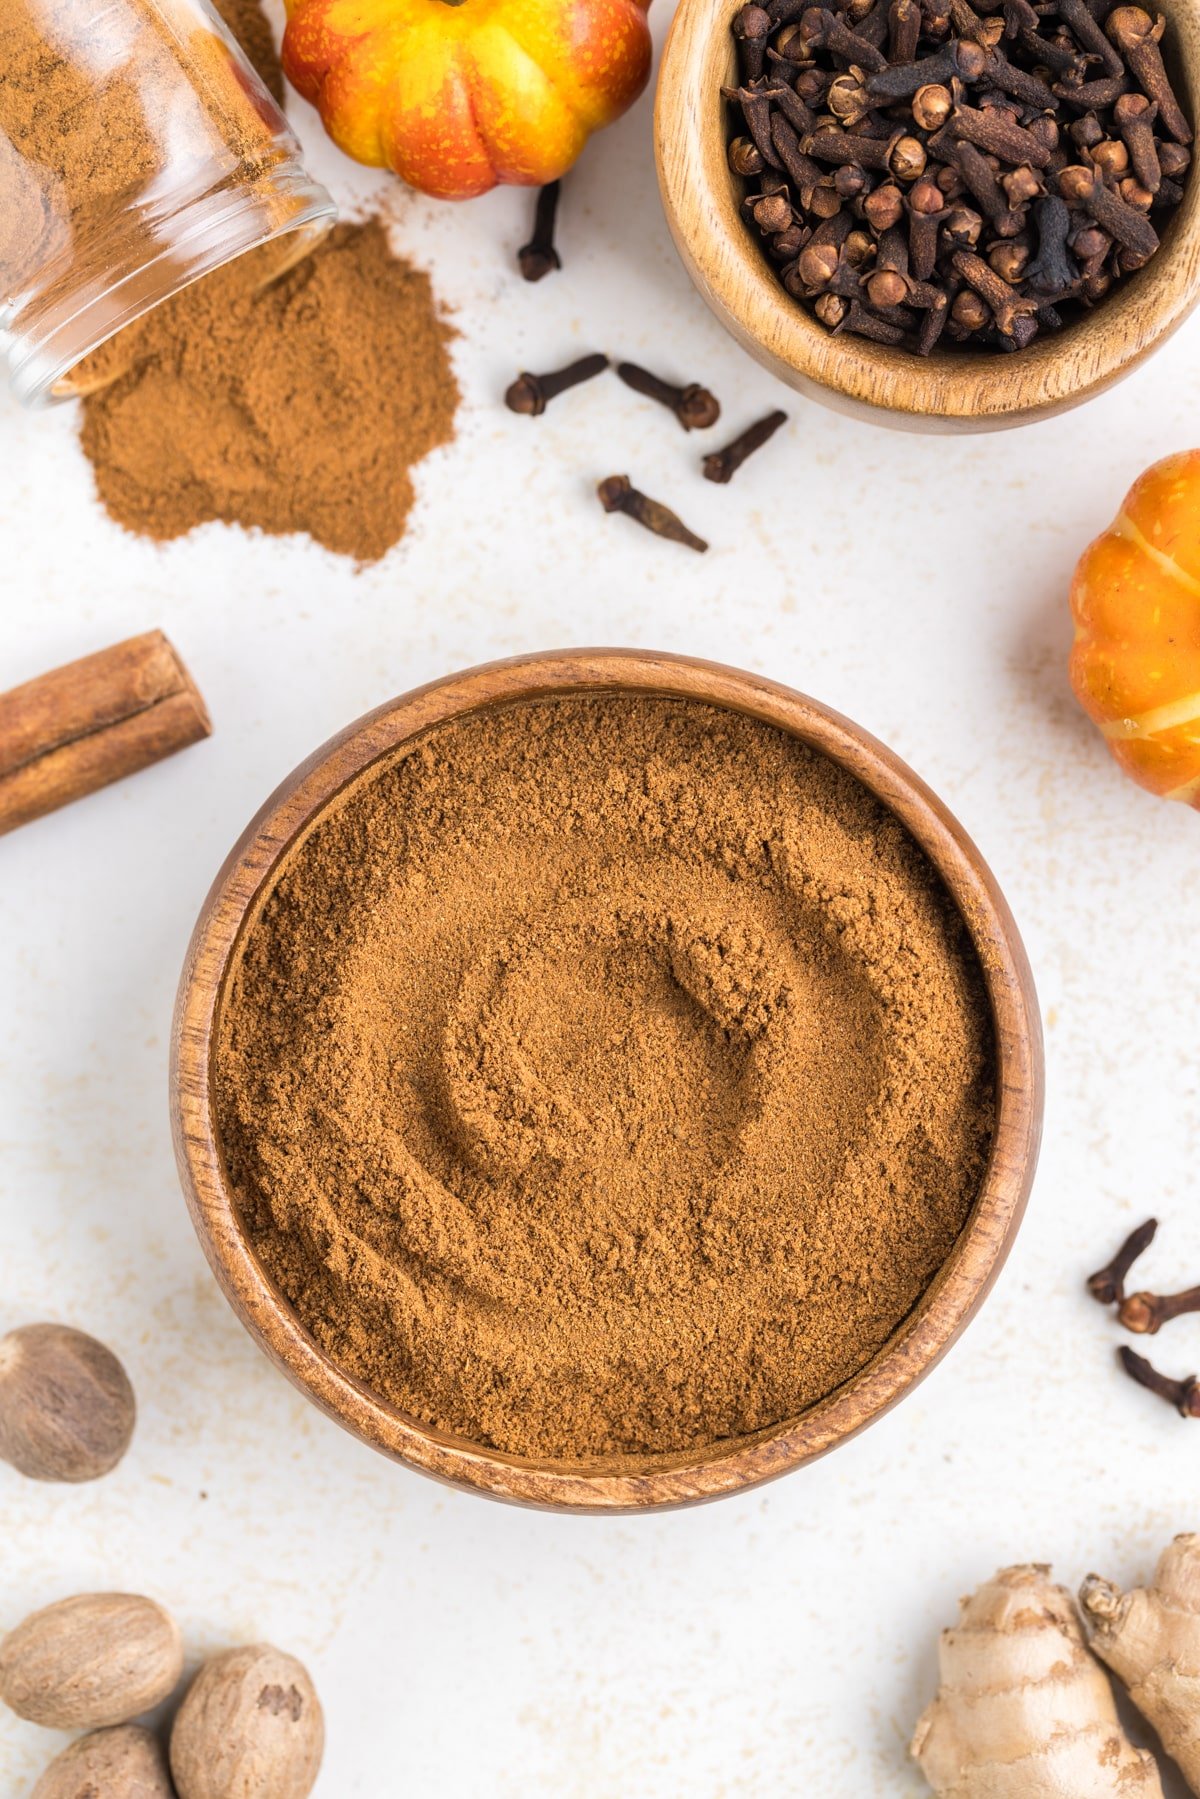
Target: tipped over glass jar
<point>138,151</point>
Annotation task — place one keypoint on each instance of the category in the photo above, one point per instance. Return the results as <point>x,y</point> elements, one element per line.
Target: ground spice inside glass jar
<point>605,1075</point>
<point>137,154</point>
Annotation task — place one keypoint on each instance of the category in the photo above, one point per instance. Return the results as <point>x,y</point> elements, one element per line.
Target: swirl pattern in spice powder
<point>605,1076</point>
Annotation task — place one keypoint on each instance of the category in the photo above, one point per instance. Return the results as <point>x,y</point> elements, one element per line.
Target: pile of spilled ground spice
<point>605,1075</point>
<point>299,403</point>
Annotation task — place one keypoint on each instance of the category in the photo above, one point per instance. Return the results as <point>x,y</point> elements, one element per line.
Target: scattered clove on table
<point>694,406</point>
<point>539,256</point>
<point>618,494</point>
<point>722,465</point>
<point>920,171</point>
<point>1145,1313</point>
<point>1108,1283</point>
<point>531,394</point>
<point>1183,1394</point>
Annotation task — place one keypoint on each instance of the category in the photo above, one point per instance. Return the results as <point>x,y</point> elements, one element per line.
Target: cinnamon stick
<point>92,722</point>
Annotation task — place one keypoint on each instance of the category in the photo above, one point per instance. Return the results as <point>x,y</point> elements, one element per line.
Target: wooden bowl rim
<point>946,1308</point>
<point>948,390</point>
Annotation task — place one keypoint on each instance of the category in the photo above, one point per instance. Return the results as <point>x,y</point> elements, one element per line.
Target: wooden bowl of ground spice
<point>605,1080</point>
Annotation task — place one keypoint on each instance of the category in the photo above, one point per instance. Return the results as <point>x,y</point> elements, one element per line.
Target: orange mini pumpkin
<point>1135,667</point>
<point>457,95</point>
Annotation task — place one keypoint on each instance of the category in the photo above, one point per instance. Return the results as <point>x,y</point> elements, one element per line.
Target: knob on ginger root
<point>1023,1711</point>
<point>1150,1638</point>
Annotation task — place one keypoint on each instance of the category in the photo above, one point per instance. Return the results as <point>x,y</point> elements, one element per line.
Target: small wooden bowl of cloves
<point>943,218</point>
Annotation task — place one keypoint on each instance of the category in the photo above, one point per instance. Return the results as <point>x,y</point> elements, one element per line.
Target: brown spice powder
<point>605,1075</point>
<point>252,29</point>
<point>299,405</point>
<point>98,104</point>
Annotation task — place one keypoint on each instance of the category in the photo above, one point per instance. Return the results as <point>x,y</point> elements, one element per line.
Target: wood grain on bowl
<point>949,391</point>
<point>723,1467</point>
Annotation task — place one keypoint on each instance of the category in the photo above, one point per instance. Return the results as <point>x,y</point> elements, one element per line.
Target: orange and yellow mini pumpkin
<point>1135,667</point>
<point>458,95</point>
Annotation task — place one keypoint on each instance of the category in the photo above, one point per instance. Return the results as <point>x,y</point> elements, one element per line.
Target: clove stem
<point>694,406</point>
<point>722,465</point>
<point>539,256</point>
<point>618,494</point>
<point>530,394</point>
<point>1108,1283</point>
<point>1183,1394</point>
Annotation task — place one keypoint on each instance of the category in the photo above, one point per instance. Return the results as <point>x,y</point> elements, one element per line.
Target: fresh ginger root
<point>1150,1638</point>
<point>1023,1711</point>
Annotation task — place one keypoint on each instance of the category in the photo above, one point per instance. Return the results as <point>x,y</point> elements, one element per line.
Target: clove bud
<point>539,257</point>
<point>531,394</point>
<point>618,494</point>
<point>694,406</point>
<point>1146,1313</point>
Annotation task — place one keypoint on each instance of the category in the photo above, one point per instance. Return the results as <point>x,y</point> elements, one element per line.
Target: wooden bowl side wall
<point>946,1308</point>
<point>947,391</point>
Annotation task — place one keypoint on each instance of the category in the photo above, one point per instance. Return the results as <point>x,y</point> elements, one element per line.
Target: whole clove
<point>1108,1283</point>
<point>618,494</point>
<point>539,257</point>
<point>904,30</point>
<point>1086,189</point>
<point>531,394</point>
<point>752,28</point>
<point>862,321</point>
<point>1183,1394</point>
<point>1134,116</point>
<point>722,465</point>
<point>1146,1313</point>
<point>1053,271</point>
<point>1136,37</point>
<point>694,406</point>
<point>1023,159</point>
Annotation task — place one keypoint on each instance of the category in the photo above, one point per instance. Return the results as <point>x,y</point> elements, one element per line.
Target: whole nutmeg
<point>124,1763</point>
<point>250,1725</point>
<point>96,1659</point>
<point>67,1410</point>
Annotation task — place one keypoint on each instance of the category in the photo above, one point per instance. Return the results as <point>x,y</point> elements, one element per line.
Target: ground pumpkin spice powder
<point>252,29</point>
<point>293,403</point>
<point>299,403</point>
<point>606,1075</point>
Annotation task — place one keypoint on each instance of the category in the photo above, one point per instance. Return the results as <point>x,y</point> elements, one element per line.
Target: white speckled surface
<point>781,1643</point>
